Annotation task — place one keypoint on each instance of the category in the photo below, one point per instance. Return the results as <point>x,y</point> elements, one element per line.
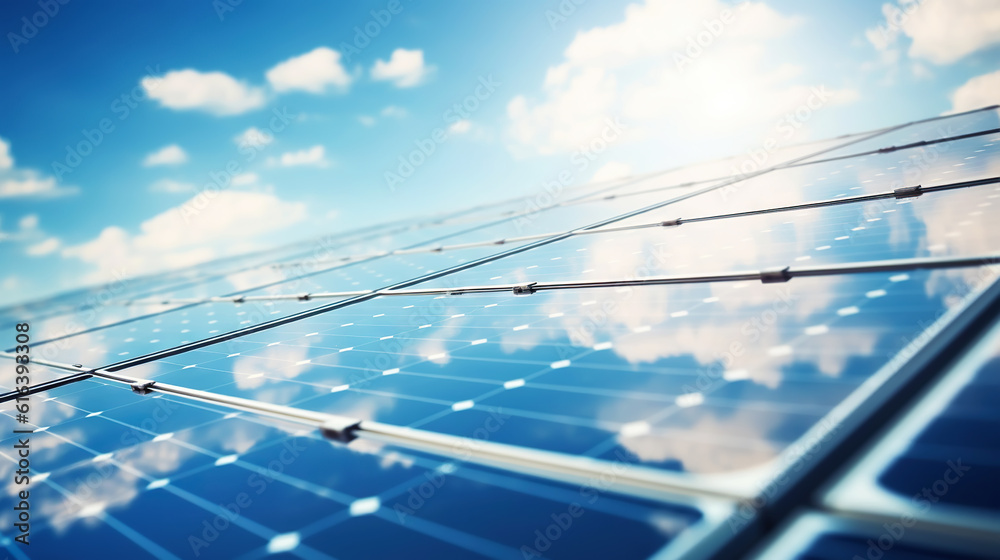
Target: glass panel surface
<point>700,379</point>
<point>128,476</point>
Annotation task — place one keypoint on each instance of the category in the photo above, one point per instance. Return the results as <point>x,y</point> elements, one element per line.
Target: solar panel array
<point>701,362</point>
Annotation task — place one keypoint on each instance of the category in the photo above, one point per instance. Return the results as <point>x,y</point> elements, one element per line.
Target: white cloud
<point>645,71</point>
<point>33,186</point>
<point>172,186</point>
<point>941,31</point>
<point>26,183</point>
<point>198,230</point>
<point>404,69</point>
<point>29,222</point>
<point>366,120</point>
<point>460,127</point>
<point>311,72</point>
<point>167,155</point>
<point>981,91</point>
<point>312,156</point>
<point>216,93</point>
<point>253,137</point>
<point>6,161</point>
<point>394,111</point>
<point>46,247</point>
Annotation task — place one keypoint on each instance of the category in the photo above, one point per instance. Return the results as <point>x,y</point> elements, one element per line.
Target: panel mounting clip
<point>340,428</point>
<point>908,192</point>
<point>775,275</point>
<point>671,223</point>
<point>142,386</point>
<point>524,289</point>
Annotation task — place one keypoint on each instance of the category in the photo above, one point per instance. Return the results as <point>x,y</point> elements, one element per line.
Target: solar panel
<point>942,453</point>
<point>633,368</point>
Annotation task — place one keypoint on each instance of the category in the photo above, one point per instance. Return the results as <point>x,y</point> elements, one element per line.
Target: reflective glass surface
<point>162,477</point>
<point>709,378</point>
<point>712,387</point>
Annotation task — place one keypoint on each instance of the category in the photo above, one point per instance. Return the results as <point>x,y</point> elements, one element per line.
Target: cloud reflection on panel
<point>740,370</point>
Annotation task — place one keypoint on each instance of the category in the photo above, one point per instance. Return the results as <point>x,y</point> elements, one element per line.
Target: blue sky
<point>183,91</point>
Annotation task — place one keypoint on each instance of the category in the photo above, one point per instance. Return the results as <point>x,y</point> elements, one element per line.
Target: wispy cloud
<point>405,68</point>
<point>167,155</point>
